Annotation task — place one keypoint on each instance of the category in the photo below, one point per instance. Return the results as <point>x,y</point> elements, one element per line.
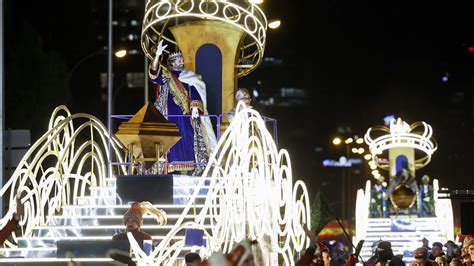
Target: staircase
<point>97,217</point>
<point>404,233</point>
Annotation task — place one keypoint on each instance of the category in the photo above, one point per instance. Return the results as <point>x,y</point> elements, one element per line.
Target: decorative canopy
<point>401,135</point>
<point>160,15</point>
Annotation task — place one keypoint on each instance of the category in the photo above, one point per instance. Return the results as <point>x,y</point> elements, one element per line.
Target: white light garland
<point>400,135</point>
<point>444,212</point>
<point>362,212</point>
<point>57,170</point>
<point>245,15</point>
<point>251,195</point>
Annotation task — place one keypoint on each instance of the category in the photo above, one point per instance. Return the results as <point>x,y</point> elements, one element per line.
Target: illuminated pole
<point>145,73</point>
<point>345,180</point>
<point>2,114</point>
<point>344,185</point>
<point>346,173</point>
<point>109,90</point>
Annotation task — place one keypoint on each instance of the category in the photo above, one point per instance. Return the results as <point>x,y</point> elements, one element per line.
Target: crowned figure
<point>426,203</point>
<point>182,92</point>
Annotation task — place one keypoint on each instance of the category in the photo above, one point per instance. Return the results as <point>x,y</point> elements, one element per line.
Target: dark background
<point>352,62</point>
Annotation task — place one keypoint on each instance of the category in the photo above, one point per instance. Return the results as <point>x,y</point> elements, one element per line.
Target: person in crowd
<point>12,224</point>
<point>465,245</point>
<point>312,255</point>
<point>384,255</point>
<point>455,262</point>
<point>241,255</point>
<point>338,255</point>
<point>421,258</point>
<point>468,257</point>
<point>436,251</point>
<point>326,257</point>
<point>192,259</point>
<point>452,250</point>
<point>352,261</point>
<point>442,260</point>
<point>133,220</point>
<point>426,243</point>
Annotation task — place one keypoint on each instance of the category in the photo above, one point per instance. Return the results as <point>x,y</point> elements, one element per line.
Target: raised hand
<point>159,51</point>
<point>160,48</point>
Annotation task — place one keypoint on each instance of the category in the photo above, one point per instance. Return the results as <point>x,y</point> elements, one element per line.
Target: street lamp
<point>352,146</point>
<point>345,173</point>
<point>274,24</point>
<point>121,53</point>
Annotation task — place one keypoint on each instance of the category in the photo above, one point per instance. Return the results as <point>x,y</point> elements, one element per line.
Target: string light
<point>251,194</point>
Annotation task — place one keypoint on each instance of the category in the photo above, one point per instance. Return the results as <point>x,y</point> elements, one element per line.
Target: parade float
<point>76,181</point>
<point>403,209</point>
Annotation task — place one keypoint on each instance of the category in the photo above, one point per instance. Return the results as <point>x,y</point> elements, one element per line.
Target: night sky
<point>357,61</point>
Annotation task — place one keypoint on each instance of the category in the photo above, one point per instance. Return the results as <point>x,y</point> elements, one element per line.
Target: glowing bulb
<point>373,167</point>
<point>274,24</point>
<point>121,53</point>
<point>354,150</point>
<point>361,150</point>
<point>349,141</point>
<point>375,172</point>
<point>336,141</point>
<point>368,156</point>
<point>360,141</point>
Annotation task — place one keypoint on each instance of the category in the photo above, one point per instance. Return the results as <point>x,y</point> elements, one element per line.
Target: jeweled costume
<point>376,201</point>
<point>426,201</point>
<point>177,93</point>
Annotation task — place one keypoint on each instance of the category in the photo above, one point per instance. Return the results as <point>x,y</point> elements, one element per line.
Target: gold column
<point>191,36</point>
<point>393,153</point>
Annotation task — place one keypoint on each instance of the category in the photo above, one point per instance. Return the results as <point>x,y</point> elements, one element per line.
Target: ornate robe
<point>177,93</point>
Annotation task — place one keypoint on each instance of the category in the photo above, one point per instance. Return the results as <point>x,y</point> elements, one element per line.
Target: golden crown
<point>172,56</point>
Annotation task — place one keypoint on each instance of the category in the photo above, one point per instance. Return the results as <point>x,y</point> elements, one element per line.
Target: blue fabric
<point>194,237</point>
<point>183,150</point>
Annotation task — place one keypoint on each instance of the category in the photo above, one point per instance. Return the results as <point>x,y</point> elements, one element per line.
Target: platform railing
<point>221,122</point>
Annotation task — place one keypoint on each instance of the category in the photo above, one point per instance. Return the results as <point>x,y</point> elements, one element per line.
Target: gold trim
<point>198,104</point>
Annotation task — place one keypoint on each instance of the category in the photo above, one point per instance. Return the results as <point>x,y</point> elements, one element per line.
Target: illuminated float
<point>404,216</point>
<point>247,191</point>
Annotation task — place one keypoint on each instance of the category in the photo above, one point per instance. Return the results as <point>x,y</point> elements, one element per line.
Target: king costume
<point>177,93</point>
